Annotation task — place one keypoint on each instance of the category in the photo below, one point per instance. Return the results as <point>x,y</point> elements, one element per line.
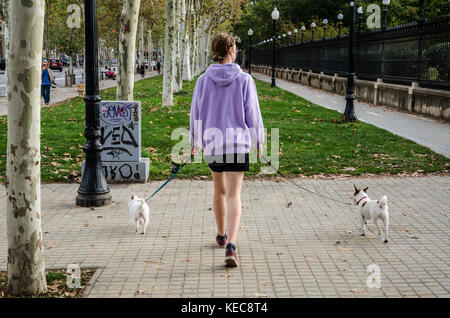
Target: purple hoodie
<point>225,115</point>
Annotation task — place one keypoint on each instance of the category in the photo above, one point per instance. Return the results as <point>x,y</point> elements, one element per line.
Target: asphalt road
<point>59,78</point>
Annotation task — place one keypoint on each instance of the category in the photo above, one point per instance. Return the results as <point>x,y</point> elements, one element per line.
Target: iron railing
<point>416,52</point>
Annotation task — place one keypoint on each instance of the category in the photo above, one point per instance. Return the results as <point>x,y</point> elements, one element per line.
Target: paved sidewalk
<point>61,94</point>
<point>424,131</point>
<point>284,251</point>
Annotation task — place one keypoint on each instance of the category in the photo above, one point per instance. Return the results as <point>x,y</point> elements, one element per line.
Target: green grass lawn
<point>313,140</point>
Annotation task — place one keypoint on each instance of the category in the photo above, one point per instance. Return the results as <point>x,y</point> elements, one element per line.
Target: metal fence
<point>417,52</point>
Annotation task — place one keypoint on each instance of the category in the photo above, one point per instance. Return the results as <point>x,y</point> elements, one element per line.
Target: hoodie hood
<point>223,74</point>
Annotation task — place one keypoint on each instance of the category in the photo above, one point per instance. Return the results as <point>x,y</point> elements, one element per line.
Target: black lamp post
<point>325,24</point>
<point>360,18</point>
<point>420,23</point>
<point>303,33</point>
<point>284,40</point>
<point>275,17</point>
<point>250,34</point>
<point>295,36</point>
<point>313,28</point>
<point>340,17</point>
<point>349,114</point>
<point>290,38</point>
<point>383,43</point>
<point>93,190</point>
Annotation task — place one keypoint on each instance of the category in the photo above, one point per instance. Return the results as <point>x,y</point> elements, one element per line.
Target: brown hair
<point>220,46</point>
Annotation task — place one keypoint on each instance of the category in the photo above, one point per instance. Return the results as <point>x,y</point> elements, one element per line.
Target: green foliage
<point>436,60</point>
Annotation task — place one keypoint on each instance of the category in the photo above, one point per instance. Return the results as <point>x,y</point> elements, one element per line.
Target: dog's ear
<point>365,190</point>
<point>356,190</point>
<point>132,197</point>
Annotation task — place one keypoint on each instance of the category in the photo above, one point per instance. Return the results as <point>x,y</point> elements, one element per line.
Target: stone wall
<point>414,99</point>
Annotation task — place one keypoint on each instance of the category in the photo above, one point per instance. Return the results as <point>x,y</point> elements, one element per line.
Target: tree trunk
<point>127,49</point>
<point>5,27</point>
<point>180,27</point>
<point>187,43</point>
<point>169,54</point>
<point>150,50</point>
<point>26,268</point>
<point>141,41</point>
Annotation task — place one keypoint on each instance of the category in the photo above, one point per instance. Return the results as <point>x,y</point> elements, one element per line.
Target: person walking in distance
<point>158,67</point>
<point>47,80</point>
<point>225,119</point>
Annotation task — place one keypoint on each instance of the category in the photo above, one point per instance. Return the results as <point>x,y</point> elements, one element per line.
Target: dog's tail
<point>383,200</point>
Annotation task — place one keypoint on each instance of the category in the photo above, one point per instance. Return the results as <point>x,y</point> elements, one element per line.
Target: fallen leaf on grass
<point>412,236</point>
<point>226,275</point>
<point>404,229</point>
<point>140,292</point>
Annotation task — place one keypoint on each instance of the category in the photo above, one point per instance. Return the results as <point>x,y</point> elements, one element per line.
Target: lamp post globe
<point>313,28</point>
<point>295,36</point>
<point>303,28</point>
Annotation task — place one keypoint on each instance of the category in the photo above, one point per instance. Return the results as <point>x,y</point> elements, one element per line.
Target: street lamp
<point>284,39</point>
<point>250,34</point>
<point>295,36</point>
<point>360,18</point>
<point>325,23</point>
<point>385,12</point>
<point>93,190</point>
<point>290,38</point>
<point>383,42</point>
<point>340,17</point>
<point>275,17</point>
<point>349,114</point>
<point>303,28</point>
<point>313,28</point>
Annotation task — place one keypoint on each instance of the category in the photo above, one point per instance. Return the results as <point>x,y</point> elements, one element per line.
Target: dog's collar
<point>357,203</point>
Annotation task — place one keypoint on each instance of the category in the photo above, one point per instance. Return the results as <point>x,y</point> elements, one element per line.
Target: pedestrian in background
<point>47,80</point>
<point>158,67</point>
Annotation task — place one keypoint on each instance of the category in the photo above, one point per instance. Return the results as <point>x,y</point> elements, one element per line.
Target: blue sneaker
<point>221,240</point>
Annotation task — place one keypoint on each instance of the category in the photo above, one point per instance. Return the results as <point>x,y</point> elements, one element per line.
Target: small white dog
<point>377,210</point>
<point>139,213</point>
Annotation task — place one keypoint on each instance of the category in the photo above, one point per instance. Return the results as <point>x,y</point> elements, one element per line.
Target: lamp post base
<point>93,200</point>
<point>349,114</point>
<point>273,82</point>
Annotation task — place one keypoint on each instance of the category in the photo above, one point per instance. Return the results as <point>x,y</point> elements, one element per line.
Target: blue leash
<point>175,169</point>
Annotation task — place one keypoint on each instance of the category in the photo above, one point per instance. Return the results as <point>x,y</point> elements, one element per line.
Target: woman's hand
<point>259,152</point>
<point>195,150</point>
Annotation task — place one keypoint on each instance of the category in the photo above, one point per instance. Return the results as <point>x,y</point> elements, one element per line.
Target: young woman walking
<point>225,120</point>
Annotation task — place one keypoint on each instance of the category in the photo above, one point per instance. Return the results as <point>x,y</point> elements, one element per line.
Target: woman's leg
<point>219,200</point>
<point>233,196</point>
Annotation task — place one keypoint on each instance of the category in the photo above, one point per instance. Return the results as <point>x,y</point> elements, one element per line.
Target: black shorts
<point>228,162</point>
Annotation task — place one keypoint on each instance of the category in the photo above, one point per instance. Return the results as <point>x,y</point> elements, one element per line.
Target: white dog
<point>377,210</point>
<point>139,213</point>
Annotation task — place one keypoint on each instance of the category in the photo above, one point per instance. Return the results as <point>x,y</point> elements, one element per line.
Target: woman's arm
<point>253,117</point>
<point>194,131</point>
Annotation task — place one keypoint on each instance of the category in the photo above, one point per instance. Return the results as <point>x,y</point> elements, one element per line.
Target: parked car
<point>65,60</point>
<point>55,64</point>
<point>2,64</point>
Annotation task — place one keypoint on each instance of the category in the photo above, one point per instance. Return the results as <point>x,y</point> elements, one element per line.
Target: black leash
<point>267,161</point>
<point>175,169</point>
